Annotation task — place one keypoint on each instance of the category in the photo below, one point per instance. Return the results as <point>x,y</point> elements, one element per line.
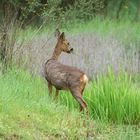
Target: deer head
<point>62,43</point>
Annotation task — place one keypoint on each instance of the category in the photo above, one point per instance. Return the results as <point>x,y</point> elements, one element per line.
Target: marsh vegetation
<point>106,46</point>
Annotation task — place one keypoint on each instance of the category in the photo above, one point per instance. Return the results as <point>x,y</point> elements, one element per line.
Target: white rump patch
<point>85,79</point>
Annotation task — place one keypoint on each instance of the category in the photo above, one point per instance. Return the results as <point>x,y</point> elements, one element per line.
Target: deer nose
<point>71,50</point>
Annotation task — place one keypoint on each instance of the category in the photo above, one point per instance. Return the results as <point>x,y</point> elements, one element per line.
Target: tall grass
<point>111,98</point>
<point>115,99</point>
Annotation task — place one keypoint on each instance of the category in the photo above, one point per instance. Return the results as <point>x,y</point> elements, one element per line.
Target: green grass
<point>125,31</point>
<point>115,99</point>
<point>27,112</point>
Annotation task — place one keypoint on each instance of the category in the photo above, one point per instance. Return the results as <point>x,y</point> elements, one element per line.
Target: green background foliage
<point>67,10</point>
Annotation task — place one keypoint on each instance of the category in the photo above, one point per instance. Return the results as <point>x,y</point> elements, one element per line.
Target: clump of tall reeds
<point>111,98</point>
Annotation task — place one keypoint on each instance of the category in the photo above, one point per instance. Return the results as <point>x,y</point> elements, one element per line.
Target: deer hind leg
<point>81,108</point>
<point>78,96</point>
<point>50,88</point>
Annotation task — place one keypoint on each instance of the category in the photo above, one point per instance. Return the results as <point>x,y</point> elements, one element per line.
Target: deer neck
<point>56,53</point>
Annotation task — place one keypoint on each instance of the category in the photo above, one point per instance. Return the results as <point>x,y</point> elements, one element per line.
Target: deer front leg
<point>57,93</point>
<point>50,88</point>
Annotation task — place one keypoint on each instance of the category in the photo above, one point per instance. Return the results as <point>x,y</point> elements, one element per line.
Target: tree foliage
<point>52,10</point>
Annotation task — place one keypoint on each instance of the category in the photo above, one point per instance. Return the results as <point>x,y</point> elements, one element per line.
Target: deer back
<point>62,76</point>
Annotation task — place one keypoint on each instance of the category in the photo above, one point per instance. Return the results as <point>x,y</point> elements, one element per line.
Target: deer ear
<point>57,33</point>
<point>62,36</point>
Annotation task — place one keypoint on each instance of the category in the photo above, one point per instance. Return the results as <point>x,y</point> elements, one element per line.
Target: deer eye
<point>68,43</point>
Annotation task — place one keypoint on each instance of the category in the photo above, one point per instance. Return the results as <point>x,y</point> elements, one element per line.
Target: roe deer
<point>64,77</point>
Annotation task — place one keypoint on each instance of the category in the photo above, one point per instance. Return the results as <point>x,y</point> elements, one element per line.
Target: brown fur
<point>65,77</point>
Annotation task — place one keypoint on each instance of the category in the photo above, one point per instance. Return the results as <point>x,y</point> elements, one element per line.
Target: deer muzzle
<point>70,50</point>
